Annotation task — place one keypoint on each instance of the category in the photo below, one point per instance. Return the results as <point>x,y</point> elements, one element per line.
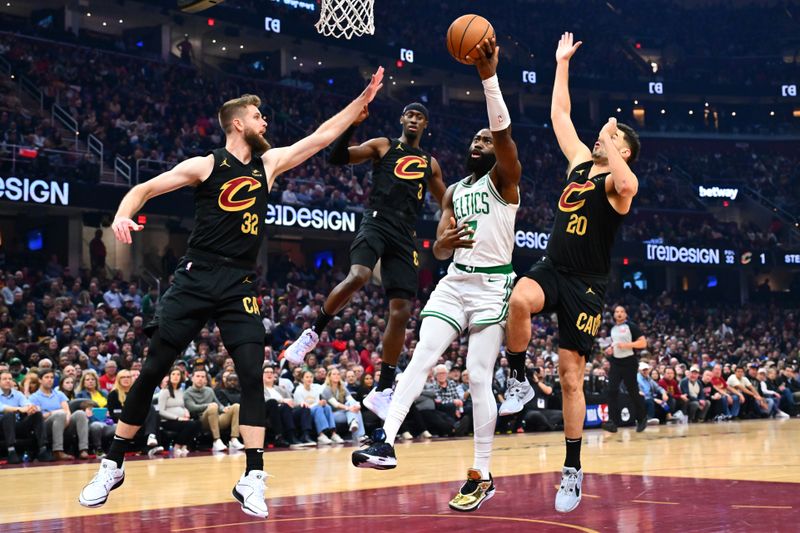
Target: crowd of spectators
<point>164,113</point>
<point>71,346</point>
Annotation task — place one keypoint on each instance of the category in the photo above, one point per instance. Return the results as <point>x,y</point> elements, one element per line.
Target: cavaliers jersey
<point>229,206</point>
<point>585,224</point>
<point>399,181</point>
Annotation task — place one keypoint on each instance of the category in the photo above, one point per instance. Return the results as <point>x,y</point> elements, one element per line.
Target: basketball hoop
<point>346,18</point>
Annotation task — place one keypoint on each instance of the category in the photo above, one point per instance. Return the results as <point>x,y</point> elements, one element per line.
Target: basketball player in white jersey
<point>477,229</point>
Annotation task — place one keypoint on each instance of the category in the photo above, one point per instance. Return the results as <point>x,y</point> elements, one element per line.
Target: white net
<point>346,18</point>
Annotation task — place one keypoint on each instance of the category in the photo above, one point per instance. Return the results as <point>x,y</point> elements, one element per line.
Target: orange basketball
<point>465,34</point>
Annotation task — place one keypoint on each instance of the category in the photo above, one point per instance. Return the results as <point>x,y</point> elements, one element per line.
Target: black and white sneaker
<point>569,492</point>
<point>249,492</point>
<point>108,478</point>
<point>378,454</point>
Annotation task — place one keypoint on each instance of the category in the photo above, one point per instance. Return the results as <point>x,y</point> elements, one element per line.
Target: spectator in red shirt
<point>339,343</point>
<point>731,397</point>
<point>677,400</point>
<point>109,376</point>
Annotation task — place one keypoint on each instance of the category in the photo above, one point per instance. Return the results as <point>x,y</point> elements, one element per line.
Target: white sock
<point>435,335</point>
<point>484,347</point>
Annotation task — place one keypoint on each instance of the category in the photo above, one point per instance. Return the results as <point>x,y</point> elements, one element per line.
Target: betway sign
<point>36,191</point>
<point>718,192</point>
<point>304,217</point>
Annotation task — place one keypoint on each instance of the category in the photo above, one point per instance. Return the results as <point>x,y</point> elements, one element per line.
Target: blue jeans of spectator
<point>733,410</point>
<point>323,418</point>
<point>343,415</point>
<point>787,401</point>
<point>770,409</point>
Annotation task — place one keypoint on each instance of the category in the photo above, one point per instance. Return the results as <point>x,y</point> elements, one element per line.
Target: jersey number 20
<point>576,224</point>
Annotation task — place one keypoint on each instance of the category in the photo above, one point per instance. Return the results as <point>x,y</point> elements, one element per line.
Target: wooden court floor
<point>745,472</point>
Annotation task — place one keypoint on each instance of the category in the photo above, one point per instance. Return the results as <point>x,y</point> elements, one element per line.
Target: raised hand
<point>361,116</point>
<point>609,127</point>
<point>374,86</point>
<point>123,227</point>
<point>488,55</point>
<point>566,48</point>
<point>456,236</point>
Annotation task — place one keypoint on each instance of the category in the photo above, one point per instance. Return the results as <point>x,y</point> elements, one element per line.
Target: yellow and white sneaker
<point>473,493</point>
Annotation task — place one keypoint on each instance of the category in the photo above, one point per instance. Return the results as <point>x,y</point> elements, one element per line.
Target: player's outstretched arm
<point>560,107</point>
<point>622,184</point>
<point>508,170</point>
<point>344,154</point>
<point>188,173</point>
<point>450,236</point>
<point>279,160</point>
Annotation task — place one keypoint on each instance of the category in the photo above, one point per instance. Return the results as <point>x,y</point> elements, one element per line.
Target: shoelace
<point>570,483</point>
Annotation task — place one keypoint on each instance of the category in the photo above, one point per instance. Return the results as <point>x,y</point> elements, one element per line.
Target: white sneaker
<point>152,441</point>
<point>569,493</point>
<point>426,434</point>
<point>517,395</point>
<point>653,421</point>
<point>407,436</point>
<point>337,439</point>
<point>781,414</point>
<point>323,439</point>
<point>154,451</point>
<point>108,478</point>
<point>249,492</point>
<point>353,426</point>
<point>235,444</point>
<point>218,446</point>
<point>296,353</point>
<point>378,402</point>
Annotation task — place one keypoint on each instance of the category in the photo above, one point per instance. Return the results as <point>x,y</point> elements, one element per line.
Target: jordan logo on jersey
<point>229,190</point>
<point>225,163</point>
<point>564,203</point>
<point>410,167</point>
<point>256,173</point>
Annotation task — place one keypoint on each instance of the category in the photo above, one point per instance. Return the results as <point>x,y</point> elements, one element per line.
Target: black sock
<point>387,377</point>
<point>516,362</point>
<point>322,320</point>
<point>255,459</point>
<point>118,448</point>
<point>573,459</point>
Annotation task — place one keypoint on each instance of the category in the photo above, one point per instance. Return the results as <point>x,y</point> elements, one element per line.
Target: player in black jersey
<point>571,278</point>
<point>402,172</point>
<point>215,280</point>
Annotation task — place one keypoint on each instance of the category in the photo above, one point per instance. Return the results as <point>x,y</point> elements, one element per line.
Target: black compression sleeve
<point>339,154</point>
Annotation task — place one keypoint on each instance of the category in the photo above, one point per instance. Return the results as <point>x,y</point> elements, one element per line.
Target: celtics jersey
<point>585,224</point>
<point>228,208</point>
<point>482,207</point>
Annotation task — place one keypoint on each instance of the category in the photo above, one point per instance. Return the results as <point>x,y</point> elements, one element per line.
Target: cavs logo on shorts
<point>233,198</point>
<point>564,203</point>
<point>410,167</point>
<point>588,324</point>
<point>416,259</point>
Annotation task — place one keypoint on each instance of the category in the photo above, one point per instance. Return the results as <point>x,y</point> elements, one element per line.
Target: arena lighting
<point>412,82</point>
<point>619,110</point>
<point>772,113</point>
<point>638,46</point>
<point>120,21</point>
<point>399,63</point>
<point>636,102</point>
<point>691,112</point>
<point>467,93</point>
<point>725,203</point>
<point>663,111</point>
<point>625,261</point>
<point>141,219</point>
<point>733,113</point>
<point>211,22</point>
<point>426,244</point>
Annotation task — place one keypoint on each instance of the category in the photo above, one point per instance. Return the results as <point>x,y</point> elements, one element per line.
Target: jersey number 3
<point>576,224</point>
<point>250,223</point>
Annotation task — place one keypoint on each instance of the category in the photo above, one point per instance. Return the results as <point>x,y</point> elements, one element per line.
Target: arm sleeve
<point>339,153</point>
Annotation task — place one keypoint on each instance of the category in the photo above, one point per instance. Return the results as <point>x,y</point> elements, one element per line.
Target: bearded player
<point>571,278</point>
<point>215,278</point>
<point>477,229</point>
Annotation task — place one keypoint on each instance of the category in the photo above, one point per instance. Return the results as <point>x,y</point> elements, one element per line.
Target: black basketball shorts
<point>395,246</point>
<point>577,301</point>
<point>202,291</point>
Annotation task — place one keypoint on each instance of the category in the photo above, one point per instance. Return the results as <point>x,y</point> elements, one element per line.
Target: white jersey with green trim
<point>482,207</point>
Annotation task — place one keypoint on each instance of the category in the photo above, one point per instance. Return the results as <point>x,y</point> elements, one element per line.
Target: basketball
<point>465,34</point>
